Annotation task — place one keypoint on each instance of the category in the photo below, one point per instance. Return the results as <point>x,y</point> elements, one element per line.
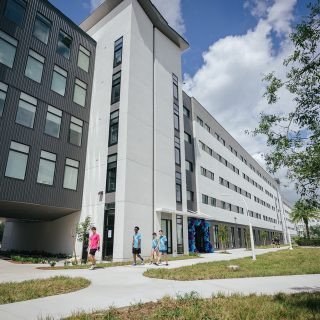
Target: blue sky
<point>204,24</point>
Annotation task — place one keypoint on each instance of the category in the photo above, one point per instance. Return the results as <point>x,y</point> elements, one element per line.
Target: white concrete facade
<point>145,151</point>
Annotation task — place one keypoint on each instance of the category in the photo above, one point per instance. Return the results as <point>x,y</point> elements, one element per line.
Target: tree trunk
<point>306,222</point>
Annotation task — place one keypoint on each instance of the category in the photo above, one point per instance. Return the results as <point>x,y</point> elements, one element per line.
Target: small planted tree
<point>264,236</point>
<point>82,232</point>
<point>223,235</point>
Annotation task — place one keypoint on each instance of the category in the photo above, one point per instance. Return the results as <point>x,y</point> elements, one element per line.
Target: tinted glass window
<point>8,46</point>
<point>34,66</point>
<point>3,94</point>
<point>64,44</point>
<point>17,161</point>
<point>42,28</point>
<point>15,10</point>
<point>53,122</point>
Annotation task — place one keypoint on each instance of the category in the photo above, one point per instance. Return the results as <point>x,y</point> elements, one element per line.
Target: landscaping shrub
<point>308,242</point>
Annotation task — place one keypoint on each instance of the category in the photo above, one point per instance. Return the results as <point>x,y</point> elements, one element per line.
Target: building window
<point>47,166</point>
<point>42,28</point>
<point>80,92</point>
<point>221,181</point>
<point>213,202</point>
<point>71,169</point>
<point>117,58</point>
<point>8,47</point>
<point>59,80</point>
<point>223,142</point>
<point>207,128</point>
<point>83,58</point>
<point>53,122</point>
<point>238,209</point>
<point>178,187</point>
<point>223,205</point>
<point>177,150</point>
<point>190,195</point>
<point>3,94</point>
<point>17,161</point>
<point>75,131</point>
<point>229,207</point>
<point>203,146</point>
<point>203,171</point>
<point>26,110</point>
<point>115,93</point>
<point>15,10</point>
<point>189,166</point>
<point>114,128</point>
<point>211,175</point>
<point>209,150</point>
<point>111,173</point>
<point>64,44</point>
<point>176,119</point>
<point>186,112</point>
<point>187,137</point>
<point>217,136</point>
<point>199,120</point>
<point>205,199</point>
<point>34,66</point>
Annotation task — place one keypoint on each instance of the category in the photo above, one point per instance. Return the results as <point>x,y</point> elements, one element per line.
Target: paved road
<point>122,286</point>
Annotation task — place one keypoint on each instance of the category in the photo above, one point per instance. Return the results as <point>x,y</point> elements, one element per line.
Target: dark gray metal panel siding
<point>28,190</point>
<point>189,154</point>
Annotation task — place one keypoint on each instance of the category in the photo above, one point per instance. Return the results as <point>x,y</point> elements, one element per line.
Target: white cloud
<point>229,82</point>
<point>170,9</point>
<point>95,4</point>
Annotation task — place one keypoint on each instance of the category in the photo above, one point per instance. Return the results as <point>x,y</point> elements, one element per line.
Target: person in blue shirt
<point>163,247</point>
<point>154,249</point>
<point>136,246</point>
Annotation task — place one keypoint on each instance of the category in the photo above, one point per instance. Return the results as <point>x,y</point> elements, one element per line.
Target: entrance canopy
<point>188,214</point>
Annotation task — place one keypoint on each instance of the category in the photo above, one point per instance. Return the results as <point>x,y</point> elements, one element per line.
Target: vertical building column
<point>185,235</point>
<point>174,235</point>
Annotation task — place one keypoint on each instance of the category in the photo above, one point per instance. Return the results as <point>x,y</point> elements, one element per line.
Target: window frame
<point>13,42</point>
<point>30,101</point>
<point>109,163</point>
<point>114,83</point>
<point>79,123</point>
<point>45,21</point>
<point>112,124</point>
<point>66,35</point>
<point>21,3</point>
<point>71,166</point>
<point>3,89</point>
<point>38,58</point>
<point>56,114</point>
<point>117,47</point>
<point>48,160</point>
<point>15,150</point>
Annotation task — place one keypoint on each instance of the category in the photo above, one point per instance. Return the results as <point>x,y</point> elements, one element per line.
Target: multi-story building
<point>46,71</point>
<point>155,158</point>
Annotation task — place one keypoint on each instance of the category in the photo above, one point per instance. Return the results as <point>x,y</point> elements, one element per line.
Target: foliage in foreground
<point>294,138</point>
<point>307,242</point>
<point>283,262</point>
<point>300,306</point>
<point>32,289</point>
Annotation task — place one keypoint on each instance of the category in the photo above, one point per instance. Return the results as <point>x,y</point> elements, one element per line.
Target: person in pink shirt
<point>94,245</point>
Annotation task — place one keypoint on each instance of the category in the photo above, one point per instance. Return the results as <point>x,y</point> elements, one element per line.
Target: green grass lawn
<point>33,289</point>
<point>284,262</point>
<point>301,306</point>
<point>114,264</point>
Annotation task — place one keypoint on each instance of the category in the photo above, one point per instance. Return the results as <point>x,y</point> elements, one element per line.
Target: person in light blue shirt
<point>154,249</point>
<point>163,247</point>
<point>136,246</point>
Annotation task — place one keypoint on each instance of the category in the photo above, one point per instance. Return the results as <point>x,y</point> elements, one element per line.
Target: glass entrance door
<point>166,226</point>
<point>108,231</point>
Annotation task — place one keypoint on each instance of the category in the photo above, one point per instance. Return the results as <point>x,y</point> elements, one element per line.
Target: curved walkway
<point>122,286</point>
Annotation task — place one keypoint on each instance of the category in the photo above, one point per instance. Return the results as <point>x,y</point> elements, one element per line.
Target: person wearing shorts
<point>94,246</point>
<point>136,246</point>
<point>154,249</point>
<point>163,247</point>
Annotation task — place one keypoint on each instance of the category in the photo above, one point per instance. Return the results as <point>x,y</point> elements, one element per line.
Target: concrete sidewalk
<point>122,286</point>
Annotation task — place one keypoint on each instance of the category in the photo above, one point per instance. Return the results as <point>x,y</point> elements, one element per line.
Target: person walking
<point>154,249</point>
<point>94,246</point>
<point>163,247</point>
<point>136,246</point>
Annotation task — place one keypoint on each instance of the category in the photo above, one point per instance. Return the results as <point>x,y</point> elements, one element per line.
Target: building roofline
<point>255,161</point>
<point>60,13</point>
<point>152,12</point>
